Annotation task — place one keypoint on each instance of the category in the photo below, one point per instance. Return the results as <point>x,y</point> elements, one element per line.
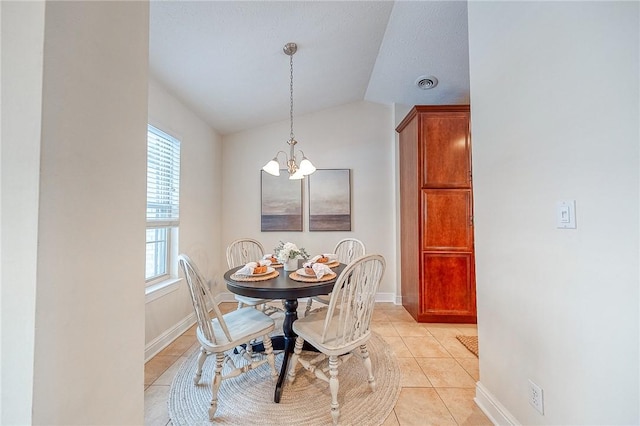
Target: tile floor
<point>438,373</point>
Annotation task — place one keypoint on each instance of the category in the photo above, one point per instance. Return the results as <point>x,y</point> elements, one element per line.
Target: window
<point>163,202</point>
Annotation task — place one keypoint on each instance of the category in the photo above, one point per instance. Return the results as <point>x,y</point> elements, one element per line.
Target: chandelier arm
<point>286,159</point>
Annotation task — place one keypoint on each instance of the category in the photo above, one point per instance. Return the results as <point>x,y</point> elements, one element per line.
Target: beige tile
<point>461,405</point>
<point>442,331</point>
<point>421,407</point>
<point>179,346</point>
<point>391,420</point>
<point>455,348</point>
<point>379,316</point>
<point>156,366</point>
<point>408,329</point>
<point>226,307</point>
<point>388,306</point>
<point>155,406</point>
<point>412,374</point>
<point>398,347</point>
<point>471,366</point>
<point>446,373</point>
<point>399,316</point>
<point>384,329</point>
<point>441,324</point>
<point>195,347</point>
<point>468,329</point>
<point>425,347</point>
<point>167,377</point>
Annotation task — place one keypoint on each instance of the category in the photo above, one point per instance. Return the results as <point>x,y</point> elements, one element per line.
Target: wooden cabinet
<point>436,215</point>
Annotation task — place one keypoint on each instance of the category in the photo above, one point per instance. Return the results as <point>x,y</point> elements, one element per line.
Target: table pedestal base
<point>285,343</point>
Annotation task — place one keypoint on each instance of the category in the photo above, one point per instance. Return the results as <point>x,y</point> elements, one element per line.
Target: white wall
<point>554,100</point>
<point>89,319</point>
<point>200,211</point>
<point>356,136</point>
<point>22,40</point>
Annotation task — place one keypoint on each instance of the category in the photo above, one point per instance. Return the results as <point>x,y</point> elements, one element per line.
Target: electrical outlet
<point>535,397</point>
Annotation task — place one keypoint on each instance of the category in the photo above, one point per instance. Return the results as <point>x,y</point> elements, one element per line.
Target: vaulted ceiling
<point>224,59</point>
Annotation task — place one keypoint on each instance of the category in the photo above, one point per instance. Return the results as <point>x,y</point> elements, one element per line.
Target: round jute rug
<point>248,398</point>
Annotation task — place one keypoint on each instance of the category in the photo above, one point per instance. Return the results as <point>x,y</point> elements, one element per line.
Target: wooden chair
<point>347,250</point>
<point>239,253</point>
<point>223,333</point>
<point>343,327</point>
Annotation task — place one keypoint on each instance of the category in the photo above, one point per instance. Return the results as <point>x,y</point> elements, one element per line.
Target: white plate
<point>301,272</point>
<point>269,270</point>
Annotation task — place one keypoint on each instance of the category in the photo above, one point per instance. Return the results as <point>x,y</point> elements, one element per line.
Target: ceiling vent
<point>425,82</point>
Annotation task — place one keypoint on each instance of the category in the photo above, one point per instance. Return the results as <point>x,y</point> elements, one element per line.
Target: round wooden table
<point>282,287</point>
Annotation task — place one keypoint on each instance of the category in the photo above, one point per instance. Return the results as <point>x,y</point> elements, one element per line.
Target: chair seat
<point>311,327</point>
<point>244,324</point>
<point>251,301</point>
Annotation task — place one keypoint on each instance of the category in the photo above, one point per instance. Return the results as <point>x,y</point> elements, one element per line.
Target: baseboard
<point>386,297</point>
<point>162,341</point>
<point>165,339</point>
<point>492,408</point>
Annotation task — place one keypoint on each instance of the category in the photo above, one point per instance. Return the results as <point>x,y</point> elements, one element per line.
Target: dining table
<point>283,286</point>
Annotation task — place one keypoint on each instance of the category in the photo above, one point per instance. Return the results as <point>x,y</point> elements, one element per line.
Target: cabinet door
<point>447,223</point>
<point>449,291</point>
<point>445,150</point>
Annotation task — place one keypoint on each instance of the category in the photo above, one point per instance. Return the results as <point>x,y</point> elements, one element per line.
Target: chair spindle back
<point>200,295</point>
<point>353,299</point>
<point>244,250</point>
<point>349,249</point>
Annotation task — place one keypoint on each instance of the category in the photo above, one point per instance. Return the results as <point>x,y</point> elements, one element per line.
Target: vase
<point>291,265</point>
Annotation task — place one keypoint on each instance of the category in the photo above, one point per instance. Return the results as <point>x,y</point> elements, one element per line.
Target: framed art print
<point>281,200</point>
<point>330,200</point>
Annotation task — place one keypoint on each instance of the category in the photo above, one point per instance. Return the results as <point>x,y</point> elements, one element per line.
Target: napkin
<point>331,256</point>
<point>320,269</point>
<point>249,267</point>
<point>268,256</point>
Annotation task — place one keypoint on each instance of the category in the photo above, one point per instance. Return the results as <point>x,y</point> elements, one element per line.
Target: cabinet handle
<point>470,220</point>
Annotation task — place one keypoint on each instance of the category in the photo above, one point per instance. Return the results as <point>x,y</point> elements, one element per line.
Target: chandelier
<point>305,168</point>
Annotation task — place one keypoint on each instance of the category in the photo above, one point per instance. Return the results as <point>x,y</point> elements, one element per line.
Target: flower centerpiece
<point>288,253</point>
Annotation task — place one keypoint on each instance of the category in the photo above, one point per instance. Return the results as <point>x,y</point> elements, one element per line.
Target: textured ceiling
<point>224,60</point>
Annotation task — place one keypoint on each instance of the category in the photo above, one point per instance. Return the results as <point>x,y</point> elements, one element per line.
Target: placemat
<point>251,278</point>
<point>297,277</point>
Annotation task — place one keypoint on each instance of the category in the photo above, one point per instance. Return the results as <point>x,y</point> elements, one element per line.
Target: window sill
<point>158,290</point>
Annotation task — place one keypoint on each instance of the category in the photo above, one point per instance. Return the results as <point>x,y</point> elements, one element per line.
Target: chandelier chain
<point>291,95</point>
<point>306,167</point>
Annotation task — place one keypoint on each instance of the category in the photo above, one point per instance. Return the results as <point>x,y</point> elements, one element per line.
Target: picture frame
<point>280,203</point>
<point>330,200</point>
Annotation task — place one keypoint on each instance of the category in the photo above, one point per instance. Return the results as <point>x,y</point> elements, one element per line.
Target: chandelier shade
<point>295,170</point>
<point>272,167</point>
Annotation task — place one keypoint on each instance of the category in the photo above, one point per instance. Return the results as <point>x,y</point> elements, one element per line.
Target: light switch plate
<point>566,214</point>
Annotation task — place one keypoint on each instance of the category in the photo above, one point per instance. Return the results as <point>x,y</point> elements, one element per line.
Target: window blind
<point>163,179</point>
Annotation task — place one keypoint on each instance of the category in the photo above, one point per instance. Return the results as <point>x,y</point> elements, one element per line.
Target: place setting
<point>317,269</point>
<point>261,270</point>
